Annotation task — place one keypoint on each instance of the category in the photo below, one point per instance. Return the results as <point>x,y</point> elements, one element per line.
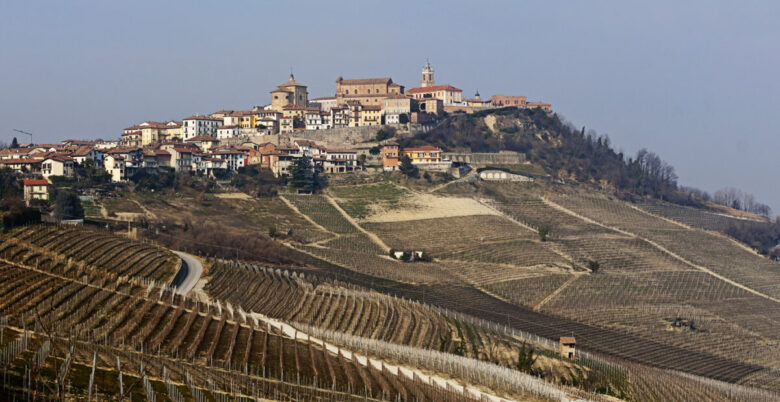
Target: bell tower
<point>427,76</point>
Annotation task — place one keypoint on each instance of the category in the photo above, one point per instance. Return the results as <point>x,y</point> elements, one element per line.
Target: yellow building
<point>245,118</point>
<point>291,92</point>
<point>424,154</point>
<point>371,116</point>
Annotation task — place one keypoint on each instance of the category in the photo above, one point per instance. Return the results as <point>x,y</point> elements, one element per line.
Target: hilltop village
<point>271,136</point>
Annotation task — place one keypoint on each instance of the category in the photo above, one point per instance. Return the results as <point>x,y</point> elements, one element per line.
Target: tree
<point>14,143</point>
<point>407,167</point>
<point>375,150</point>
<point>384,133</point>
<point>304,176</point>
<point>403,118</point>
<point>543,231</point>
<point>298,122</point>
<point>526,360</point>
<point>68,206</point>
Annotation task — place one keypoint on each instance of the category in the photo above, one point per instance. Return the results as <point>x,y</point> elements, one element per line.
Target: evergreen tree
<point>14,143</point>
<point>68,206</point>
<point>408,168</point>
<point>303,176</point>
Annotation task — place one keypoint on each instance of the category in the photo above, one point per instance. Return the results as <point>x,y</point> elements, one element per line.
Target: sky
<point>696,81</point>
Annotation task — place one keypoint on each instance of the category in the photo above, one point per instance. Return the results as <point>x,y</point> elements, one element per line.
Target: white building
<point>194,126</point>
<point>317,120</point>
<point>325,103</point>
<point>57,165</point>
<point>115,166</point>
<point>228,132</point>
<point>234,159</point>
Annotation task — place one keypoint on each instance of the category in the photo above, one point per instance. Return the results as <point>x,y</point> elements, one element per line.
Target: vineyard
<point>91,331</point>
<point>67,249</point>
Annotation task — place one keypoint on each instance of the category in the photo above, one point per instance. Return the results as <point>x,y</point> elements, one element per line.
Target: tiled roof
<point>366,81</point>
<point>39,182</point>
<point>197,117</point>
<point>568,340</point>
<point>183,150</point>
<point>203,138</point>
<point>60,158</point>
<point>422,149</point>
<point>433,89</point>
<point>27,161</point>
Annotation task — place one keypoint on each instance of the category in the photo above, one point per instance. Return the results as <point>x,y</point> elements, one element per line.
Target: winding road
<point>188,275</point>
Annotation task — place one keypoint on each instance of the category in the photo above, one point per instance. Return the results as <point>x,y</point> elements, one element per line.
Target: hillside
<point>650,283</point>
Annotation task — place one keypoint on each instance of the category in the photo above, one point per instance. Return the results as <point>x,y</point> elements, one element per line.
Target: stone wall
<point>480,159</point>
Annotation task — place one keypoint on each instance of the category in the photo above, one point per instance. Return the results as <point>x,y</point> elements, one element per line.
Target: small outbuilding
<point>567,346</point>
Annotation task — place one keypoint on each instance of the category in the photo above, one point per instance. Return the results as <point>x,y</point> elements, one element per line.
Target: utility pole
<point>25,132</point>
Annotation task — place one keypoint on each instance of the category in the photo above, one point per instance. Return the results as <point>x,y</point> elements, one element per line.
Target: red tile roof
<point>27,161</point>
<point>197,117</point>
<point>422,149</point>
<point>183,150</point>
<point>366,81</point>
<point>420,90</point>
<point>29,182</point>
<point>203,138</point>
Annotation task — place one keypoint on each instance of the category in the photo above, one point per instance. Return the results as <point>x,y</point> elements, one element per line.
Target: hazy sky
<point>695,82</point>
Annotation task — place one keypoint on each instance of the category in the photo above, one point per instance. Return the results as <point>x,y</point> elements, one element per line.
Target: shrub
<point>544,231</point>
<point>593,266</point>
<point>68,206</point>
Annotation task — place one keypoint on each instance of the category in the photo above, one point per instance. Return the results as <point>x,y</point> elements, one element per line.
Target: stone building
<point>567,347</point>
<point>428,89</point>
<point>291,92</point>
<point>367,91</point>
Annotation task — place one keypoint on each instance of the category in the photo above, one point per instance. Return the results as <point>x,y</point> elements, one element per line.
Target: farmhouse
<point>567,347</point>
<point>35,190</point>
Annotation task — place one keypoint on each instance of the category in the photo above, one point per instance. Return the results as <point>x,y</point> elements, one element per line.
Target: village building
<point>57,165</point>
<point>181,159</point>
<point>207,165</point>
<point>115,165</point>
<point>366,91</point>
<point>477,102</point>
<point>431,106</point>
<point>317,120</point>
<point>84,153</point>
<point>225,132</point>
<point>233,158</point>
<point>428,89</point>
<point>131,139</point>
<point>370,116</point>
<point>16,153</point>
<point>390,156</point>
<point>424,154</point>
<point>22,165</point>
<point>541,105</point>
<point>35,190</point>
<point>204,142</point>
<point>289,93</point>
<point>285,125</point>
<point>340,116</point>
<point>339,161</point>
<point>394,106</point>
<point>324,103</point>
<point>506,101</point>
<point>567,346</point>
<point>194,126</point>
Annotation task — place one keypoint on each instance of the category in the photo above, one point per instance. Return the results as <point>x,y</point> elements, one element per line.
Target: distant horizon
<point>694,83</point>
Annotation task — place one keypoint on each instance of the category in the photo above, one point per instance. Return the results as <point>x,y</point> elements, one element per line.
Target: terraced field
<point>62,249</point>
<point>356,312</point>
<point>442,236</point>
<point>168,346</point>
